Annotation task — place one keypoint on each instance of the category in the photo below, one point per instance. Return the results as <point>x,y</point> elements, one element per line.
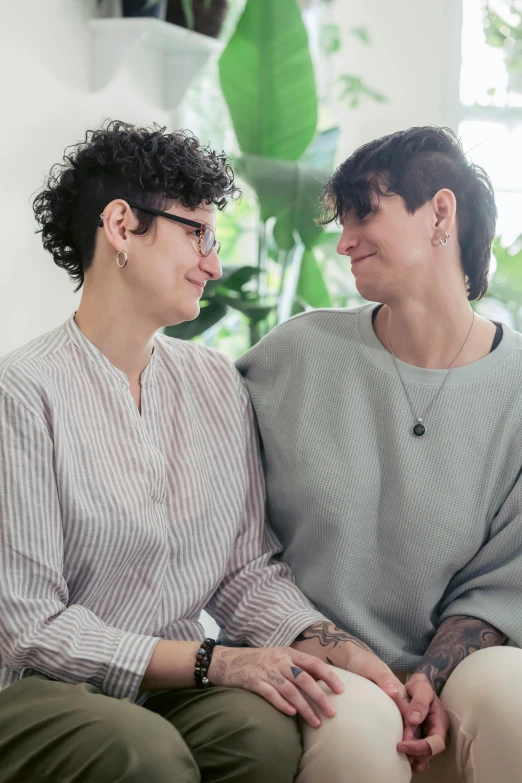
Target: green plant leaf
<point>288,191</point>
<point>361,33</point>
<point>506,285</point>
<point>267,79</point>
<point>330,38</point>
<point>240,277</point>
<point>322,150</point>
<point>356,89</point>
<point>210,314</point>
<point>311,287</point>
<point>189,12</point>
<point>254,311</point>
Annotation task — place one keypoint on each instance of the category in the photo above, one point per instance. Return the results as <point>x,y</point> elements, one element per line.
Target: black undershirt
<point>496,340</point>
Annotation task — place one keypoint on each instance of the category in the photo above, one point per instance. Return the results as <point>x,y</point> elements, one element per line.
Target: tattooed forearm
<point>329,635</point>
<point>328,642</point>
<point>456,638</point>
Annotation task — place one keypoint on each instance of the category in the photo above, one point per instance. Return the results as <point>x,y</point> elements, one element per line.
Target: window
<point>489,105</point>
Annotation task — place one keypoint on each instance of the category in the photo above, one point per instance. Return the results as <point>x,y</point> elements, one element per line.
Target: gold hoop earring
<point>445,240</point>
<point>122,252</point>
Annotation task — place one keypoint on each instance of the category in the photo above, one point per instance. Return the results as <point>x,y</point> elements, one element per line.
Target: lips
<point>361,258</point>
<point>199,286</point>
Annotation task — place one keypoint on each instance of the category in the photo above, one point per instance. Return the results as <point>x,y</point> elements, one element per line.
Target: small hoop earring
<point>122,252</point>
<point>102,218</point>
<point>445,240</point>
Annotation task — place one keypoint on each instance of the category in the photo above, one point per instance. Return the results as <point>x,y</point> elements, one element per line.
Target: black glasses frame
<point>186,222</point>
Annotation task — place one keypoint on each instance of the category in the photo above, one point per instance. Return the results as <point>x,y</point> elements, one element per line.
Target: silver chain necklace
<point>418,427</point>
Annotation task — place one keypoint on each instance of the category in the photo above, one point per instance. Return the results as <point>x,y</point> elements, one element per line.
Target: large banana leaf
<point>311,287</point>
<point>288,191</point>
<point>267,78</point>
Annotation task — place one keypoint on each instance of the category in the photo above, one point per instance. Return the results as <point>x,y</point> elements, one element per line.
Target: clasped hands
<point>425,719</point>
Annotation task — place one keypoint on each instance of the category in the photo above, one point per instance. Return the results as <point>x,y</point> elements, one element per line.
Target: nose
<point>348,242</point>
<point>211,266</point>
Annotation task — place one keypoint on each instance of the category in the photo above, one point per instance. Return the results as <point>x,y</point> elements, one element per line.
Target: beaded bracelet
<point>203,660</point>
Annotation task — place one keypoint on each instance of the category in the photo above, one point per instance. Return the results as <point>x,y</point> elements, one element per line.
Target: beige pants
<point>483,698</point>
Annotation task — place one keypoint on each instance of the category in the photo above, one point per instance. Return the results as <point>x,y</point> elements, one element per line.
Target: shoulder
<point>323,321</point>
<point>24,372</point>
<point>199,363</point>
<point>304,333</point>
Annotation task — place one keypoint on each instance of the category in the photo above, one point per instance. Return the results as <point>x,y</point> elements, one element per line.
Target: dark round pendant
<point>419,429</point>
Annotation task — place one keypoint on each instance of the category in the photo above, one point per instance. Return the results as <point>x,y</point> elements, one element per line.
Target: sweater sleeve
<point>258,601</point>
<point>39,629</point>
<point>490,585</point>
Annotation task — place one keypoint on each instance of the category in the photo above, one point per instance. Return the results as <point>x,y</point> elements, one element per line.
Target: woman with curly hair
<point>131,497</point>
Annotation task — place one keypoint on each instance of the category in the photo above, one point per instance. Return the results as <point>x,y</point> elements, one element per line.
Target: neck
<point>430,333</point>
<point>114,327</point>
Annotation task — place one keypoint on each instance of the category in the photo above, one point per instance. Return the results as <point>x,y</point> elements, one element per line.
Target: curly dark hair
<point>120,160</point>
<point>415,164</point>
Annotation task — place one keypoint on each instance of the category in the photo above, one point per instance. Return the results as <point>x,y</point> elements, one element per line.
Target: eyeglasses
<point>207,237</point>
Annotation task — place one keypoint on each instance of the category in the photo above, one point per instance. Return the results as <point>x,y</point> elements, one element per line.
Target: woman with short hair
<point>392,440</point>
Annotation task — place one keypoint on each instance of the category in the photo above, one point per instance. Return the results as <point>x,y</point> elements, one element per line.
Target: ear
<point>117,220</point>
<point>444,206</point>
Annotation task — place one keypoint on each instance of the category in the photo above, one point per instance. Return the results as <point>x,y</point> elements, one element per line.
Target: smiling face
<point>390,248</point>
<point>165,275</point>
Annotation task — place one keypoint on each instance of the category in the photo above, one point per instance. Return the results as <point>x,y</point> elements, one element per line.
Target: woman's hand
<point>425,724</point>
<point>282,675</point>
<point>359,659</point>
<point>343,649</point>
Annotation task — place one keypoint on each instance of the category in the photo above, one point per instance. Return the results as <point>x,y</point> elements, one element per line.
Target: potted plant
<point>202,16</point>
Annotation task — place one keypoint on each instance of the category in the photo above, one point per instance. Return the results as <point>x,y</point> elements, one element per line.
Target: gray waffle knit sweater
<point>388,533</point>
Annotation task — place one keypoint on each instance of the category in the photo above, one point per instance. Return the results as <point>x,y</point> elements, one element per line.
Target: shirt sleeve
<point>39,629</point>
<point>490,585</point>
<point>258,601</point>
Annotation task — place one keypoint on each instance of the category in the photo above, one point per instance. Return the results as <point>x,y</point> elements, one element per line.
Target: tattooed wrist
<point>332,640</point>
<point>457,637</point>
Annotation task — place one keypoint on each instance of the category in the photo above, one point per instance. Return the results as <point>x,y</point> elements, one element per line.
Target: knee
<point>366,718</point>
<point>131,744</point>
<point>484,685</point>
<point>270,741</point>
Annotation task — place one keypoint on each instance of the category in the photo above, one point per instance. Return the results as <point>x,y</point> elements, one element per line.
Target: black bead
<point>419,429</point>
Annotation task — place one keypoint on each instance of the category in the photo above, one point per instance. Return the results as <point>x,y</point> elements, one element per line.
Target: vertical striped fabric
<point>117,529</point>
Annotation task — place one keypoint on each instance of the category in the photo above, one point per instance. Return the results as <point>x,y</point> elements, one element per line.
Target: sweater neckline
<point>412,374</point>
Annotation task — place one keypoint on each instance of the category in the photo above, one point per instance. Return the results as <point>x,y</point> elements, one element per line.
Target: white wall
<point>46,104</point>
<point>413,59</point>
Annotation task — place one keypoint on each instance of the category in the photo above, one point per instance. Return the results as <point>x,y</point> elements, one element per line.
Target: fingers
<point>422,695</point>
<point>394,688</point>
<point>293,696</point>
<point>318,669</point>
<point>269,693</point>
<point>417,747</point>
<point>309,686</point>
<point>438,721</point>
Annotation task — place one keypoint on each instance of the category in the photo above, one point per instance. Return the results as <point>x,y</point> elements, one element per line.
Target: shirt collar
<point>96,356</point>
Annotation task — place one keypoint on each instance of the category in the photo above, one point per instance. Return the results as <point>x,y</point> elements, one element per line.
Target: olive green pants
<point>62,733</point>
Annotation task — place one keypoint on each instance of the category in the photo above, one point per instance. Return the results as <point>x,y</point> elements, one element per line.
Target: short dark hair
<point>415,164</point>
<point>120,160</point>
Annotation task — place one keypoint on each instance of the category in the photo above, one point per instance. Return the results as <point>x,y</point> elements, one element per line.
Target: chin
<point>368,292</point>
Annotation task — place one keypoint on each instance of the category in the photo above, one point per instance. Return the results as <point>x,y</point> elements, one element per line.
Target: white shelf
<point>183,52</point>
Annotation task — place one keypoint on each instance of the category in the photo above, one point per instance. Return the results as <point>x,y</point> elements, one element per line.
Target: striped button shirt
<point>117,529</point>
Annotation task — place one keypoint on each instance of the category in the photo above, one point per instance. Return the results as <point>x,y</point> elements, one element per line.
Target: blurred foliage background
<point>263,103</point>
